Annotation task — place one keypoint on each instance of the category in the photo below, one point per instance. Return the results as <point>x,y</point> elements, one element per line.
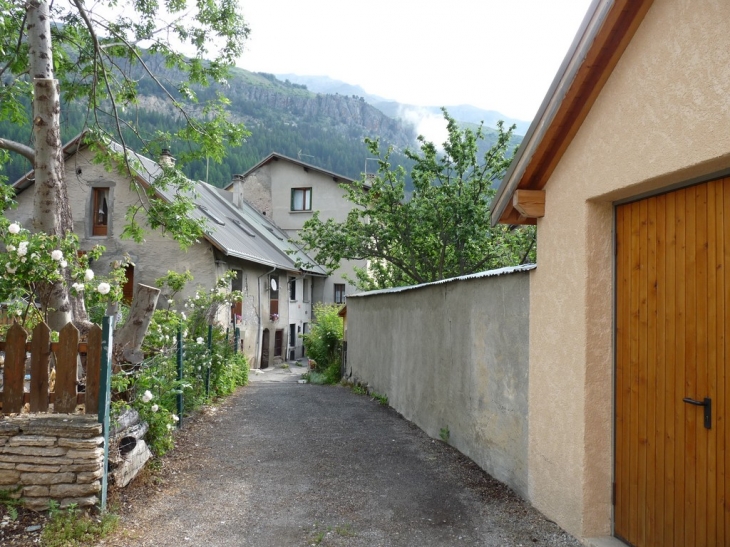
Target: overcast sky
<point>495,54</point>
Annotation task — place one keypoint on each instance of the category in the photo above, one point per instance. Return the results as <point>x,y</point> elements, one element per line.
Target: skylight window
<point>243,228</point>
<point>270,229</point>
<point>211,216</point>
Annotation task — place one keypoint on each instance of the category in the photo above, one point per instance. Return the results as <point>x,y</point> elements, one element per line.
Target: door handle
<point>707,403</point>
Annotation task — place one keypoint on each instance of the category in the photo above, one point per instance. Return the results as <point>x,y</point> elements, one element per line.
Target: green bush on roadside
<point>323,344</point>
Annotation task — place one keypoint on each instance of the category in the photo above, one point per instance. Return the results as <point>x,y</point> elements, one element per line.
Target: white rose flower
<point>169,426</point>
<point>78,287</point>
<point>23,260</point>
<point>63,263</point>
<point>88,275</point>
<point>154,408</point>
<point>18,312</point>
<point>175,418</point>
<point>56,255</point>
<point>14,228</point>
<point>147,396</point>
<point>9,268</point>
<point>170,301</point>
<point>184,317</point>
<point>23,248</point>
<point>11,248</point>
<point>103,288</point>
<point>199,339</point>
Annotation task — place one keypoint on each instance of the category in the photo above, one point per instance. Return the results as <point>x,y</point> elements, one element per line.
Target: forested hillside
<point>326,130</point>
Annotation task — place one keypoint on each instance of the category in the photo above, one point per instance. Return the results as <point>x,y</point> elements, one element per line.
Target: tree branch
<point>19,148</point>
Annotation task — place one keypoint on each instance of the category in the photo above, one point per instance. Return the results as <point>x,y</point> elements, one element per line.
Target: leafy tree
<point>443,230</point>
<point>89,52</point>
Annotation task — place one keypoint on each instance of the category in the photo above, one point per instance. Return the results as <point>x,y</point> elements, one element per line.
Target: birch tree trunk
<point>51,209</point>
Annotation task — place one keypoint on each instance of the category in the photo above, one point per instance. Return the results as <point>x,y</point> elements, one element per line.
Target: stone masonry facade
<point>48,457</point>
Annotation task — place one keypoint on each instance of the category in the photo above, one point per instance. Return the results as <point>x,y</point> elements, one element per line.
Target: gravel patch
<point>288,464</point>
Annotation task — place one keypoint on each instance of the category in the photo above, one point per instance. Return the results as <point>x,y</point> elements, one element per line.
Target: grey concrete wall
<point>452,355</point>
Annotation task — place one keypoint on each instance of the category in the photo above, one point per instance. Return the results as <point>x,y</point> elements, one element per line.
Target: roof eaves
<point>604,34</point>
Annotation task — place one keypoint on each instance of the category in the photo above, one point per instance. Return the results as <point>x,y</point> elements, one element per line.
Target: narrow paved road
<point>284,464</point>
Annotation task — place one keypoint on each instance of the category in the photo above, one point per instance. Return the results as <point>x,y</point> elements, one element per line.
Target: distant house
<point>288,191</point>
<point>277,306</point>
<point>626,172</point>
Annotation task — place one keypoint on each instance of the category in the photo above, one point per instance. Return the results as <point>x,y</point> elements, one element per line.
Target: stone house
<point>288,191</point>
<point>276,307</point>
<point>625,172</point>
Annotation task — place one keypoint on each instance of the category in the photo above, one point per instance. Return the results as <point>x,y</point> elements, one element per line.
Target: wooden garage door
<point>672,318</point>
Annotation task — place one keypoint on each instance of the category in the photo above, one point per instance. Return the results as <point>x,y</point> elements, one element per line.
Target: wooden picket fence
<point>65,397</point>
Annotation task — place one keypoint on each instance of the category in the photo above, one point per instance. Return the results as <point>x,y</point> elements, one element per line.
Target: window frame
<point>306,289</point>
<point>306,191</point>
<point>100,228</point>
<point>342,289</point>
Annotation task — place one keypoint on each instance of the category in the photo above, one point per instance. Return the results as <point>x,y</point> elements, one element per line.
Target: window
<point>100,211</point>
<point>301,199</point>
<point>292,335</point>
<point>305,290</point>
<point>292,289</point>
<point>274,297</point>
<point>339,293</point>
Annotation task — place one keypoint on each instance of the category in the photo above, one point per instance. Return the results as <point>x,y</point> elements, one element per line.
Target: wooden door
<point>672,318</point>
<point>265,349</point>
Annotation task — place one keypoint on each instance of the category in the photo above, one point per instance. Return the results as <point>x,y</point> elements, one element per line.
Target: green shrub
<point>323,342</point>
<point>71,527</point>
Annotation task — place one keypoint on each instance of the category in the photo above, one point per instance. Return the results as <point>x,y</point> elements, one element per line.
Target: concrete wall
<point>452,355</point>
<point>661,119</point>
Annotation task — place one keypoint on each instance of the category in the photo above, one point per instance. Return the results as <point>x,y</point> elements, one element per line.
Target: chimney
<point>237,189</point>
<point>166,159</point>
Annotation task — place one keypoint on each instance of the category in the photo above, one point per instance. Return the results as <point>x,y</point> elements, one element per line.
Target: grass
<point>359,390</point>
<point>73,528</point>
<point>445,434</point>
<point>382,399</point>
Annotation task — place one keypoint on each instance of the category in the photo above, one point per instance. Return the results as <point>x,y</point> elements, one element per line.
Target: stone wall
<point>48,457</point>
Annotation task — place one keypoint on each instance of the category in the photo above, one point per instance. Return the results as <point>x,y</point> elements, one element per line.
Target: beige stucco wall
<point>268,189</point>
<point>452,355</point>
<point>661,119</point>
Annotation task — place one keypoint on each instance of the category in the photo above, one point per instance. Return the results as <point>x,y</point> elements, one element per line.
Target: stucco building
<point>276,306</point>
<point>625,172</point>
<point>288,191</point>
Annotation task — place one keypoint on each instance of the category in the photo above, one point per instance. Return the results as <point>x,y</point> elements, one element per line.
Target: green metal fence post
<point>105,402</point>
<point>210,357</point>
<point>236,340</point>
<point>179,375</point>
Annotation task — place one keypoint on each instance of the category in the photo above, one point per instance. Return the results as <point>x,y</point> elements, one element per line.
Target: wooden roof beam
<point>529,203</point>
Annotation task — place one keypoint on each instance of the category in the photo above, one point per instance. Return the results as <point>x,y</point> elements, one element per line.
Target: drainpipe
<point>260,330</point>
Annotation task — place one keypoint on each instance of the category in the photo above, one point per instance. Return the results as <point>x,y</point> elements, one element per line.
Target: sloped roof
<point>241,233</point>
<point>606,31</point>
<point>275,156</point>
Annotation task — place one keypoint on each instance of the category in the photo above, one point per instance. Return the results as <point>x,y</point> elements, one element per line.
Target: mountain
<point>323,129</point>
<point>463,113</point>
